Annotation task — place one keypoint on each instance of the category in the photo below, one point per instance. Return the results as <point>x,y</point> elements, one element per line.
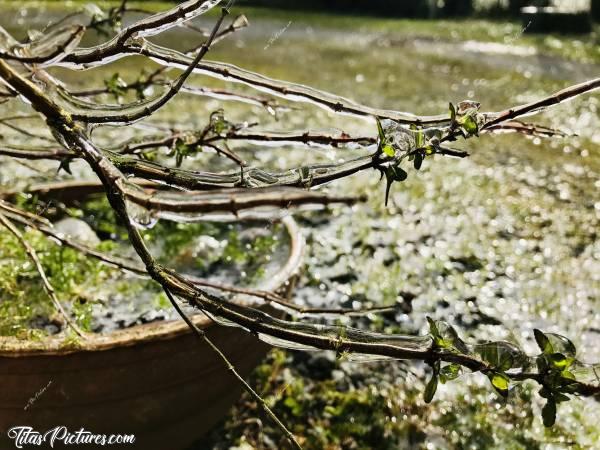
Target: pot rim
<point>14,347</point>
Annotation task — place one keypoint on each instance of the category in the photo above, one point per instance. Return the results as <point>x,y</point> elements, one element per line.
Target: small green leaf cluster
<point>444,337</point>
<point>419,149</point>
<point>396,142</point>
<point>182,149</point>
<point>554,364</point>
<point>116,86</point>
<point>465,118</point>
<point>442,374</point>
<point>218,124</point>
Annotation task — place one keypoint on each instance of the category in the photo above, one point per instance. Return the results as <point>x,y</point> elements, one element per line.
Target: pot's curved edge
<point>13,347</point>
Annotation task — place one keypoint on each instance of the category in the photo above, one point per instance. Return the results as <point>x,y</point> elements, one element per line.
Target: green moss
<point>334,413</point>
<point>24,303</point>
<point>175,237</point>
<point>80,281</point>
<point>326,415</point>
<point>100,216</point>
<point>252,255</point>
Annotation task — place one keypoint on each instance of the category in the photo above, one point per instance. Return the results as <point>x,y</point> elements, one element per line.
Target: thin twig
<point>146,27</point>
<point>202,335</point>
<point>539,105</point>
<point>158,103</point>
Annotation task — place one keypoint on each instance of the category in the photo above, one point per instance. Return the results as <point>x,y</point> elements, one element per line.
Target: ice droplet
<point>140,217</point>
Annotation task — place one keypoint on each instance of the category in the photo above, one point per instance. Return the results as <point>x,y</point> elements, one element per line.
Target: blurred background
<point>496,244</point>
<point>429,8</point>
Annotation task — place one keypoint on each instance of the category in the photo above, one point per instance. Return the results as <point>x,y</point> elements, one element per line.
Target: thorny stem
<point>254,320</point>
<point>42,107</point>
<point>243,316</point>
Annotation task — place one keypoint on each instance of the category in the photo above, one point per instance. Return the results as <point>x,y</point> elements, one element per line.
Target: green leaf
<point>545,392</point>
<point>567,375</point>
<point>500,382</point>
<point>430,389</point>
<point>445,336</point>
<point>181,150</point>
<point>116,86</point>
<point>560,361</point>
<point>542,341</point>
<point>393,173</point>
<point>384,146</point>
<point>501,355</point>
<point>380,130</point>
<point>418,161</point>
<point>419,139</point>
<point>450,372</point>
<point>65,164</point>
<point>433,329</point>
<point>469,124</point>
<point>561,344</point>
<point>388,150</point>
<point>549,413</point>
<point>452,112</point>
<point>570,388</point>
<point>139,89</point>
<point>397,173</point>
<point>218,123</point>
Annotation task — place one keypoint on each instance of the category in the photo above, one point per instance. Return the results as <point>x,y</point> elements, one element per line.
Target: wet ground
<point>497,244</point>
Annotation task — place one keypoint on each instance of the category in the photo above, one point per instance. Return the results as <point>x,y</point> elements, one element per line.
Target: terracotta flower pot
<point>156,381</point>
